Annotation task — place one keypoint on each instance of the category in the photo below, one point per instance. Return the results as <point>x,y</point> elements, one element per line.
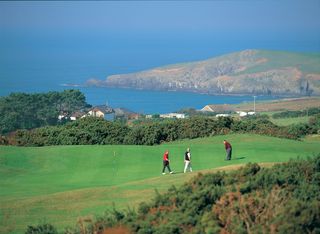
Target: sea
<point>38,63</point>
<point>143,101</point>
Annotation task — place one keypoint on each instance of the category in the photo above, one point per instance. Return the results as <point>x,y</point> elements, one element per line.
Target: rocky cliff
<point>245,72</point>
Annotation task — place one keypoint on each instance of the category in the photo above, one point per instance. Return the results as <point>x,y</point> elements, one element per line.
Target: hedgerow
<point>90,131</point>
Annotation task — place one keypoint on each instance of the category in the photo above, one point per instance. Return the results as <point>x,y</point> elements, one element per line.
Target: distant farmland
<point>281,105</point>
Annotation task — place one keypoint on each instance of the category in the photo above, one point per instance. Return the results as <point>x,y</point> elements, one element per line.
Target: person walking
<point>166,163</point>
<point>187,161</point>
<point>228,148</point>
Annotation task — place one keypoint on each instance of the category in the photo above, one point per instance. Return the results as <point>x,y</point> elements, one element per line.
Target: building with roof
<point>77,115</point>
<point>102,111</point>
<point>173,116</point>
<point>218,108</point>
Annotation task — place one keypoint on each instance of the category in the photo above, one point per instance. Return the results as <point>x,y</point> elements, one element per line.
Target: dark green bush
<point>41,229</point>
<point>90,130</point>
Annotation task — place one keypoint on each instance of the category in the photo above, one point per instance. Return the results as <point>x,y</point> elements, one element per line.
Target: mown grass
<point>61,183</point>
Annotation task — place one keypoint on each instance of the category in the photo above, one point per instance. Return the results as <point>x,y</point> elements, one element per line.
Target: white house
<point>173,115</point>
<point>222,115</point>
<point>218,108</point>
<point>242,113</point>
<point>102,111</point>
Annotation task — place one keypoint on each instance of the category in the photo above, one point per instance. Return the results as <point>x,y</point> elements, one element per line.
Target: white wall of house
<point>60,117</point>
<point>222,115</point>
<point>173,115</point>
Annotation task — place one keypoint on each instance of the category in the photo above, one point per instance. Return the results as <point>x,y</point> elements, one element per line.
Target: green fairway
<point>58,184</point>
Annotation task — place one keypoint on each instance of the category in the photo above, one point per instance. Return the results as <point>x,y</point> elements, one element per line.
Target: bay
<point>141,101</point>
<point>151,102</point>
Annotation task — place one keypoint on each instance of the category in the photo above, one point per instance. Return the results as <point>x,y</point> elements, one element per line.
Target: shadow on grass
<point>239,158</point>
<point>178,172</point>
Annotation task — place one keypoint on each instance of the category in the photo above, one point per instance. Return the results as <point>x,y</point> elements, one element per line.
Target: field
<point>286,121</point>
<point>59,184</point>
<point>289,121</point>
<point>292,104</point>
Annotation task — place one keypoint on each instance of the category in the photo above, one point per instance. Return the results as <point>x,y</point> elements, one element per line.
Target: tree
<point>28,111</point>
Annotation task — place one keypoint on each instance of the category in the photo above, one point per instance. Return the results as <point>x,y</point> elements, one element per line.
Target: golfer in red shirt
<point>228,148</point>
<point>166,162</point>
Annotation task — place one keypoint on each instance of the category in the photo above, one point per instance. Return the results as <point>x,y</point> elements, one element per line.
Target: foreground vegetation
<point>283,199</point>
<point>61,185</point>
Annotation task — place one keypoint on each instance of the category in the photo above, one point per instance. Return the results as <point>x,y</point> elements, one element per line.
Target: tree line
<point>91,130</point>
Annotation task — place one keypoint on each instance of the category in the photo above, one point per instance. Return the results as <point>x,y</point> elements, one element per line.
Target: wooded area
<point>28,111</point>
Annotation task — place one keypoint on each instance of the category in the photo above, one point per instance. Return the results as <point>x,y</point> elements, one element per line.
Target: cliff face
<point>245,72</point>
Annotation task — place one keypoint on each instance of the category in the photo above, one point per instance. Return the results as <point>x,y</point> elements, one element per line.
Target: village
<point>111,114</point>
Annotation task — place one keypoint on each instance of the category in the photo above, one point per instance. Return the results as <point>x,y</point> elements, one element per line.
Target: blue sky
<point>162,16</point>
<point>100,38</point>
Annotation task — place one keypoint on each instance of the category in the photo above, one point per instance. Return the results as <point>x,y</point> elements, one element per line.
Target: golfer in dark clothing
<point>166,162</point>
<point>228,148</point>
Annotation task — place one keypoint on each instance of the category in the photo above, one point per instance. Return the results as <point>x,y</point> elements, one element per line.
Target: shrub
<point>41,229</point>
<point>280,199</point>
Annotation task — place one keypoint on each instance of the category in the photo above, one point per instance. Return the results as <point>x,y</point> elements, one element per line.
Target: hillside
<point>245,72</point>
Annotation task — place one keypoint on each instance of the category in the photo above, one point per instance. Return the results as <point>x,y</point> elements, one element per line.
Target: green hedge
<point>90,130</point>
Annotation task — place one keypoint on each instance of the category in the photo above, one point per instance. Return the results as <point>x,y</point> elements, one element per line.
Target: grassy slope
<point>289,121</point>
<point>280,105</point>
<point>307,62</point>
<point>65,182</point>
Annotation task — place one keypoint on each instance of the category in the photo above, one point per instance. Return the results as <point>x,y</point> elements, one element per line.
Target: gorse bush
<point>281,199</point>
<point>41,229</point>
<point>90,130</point>
<point>86,131</point>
